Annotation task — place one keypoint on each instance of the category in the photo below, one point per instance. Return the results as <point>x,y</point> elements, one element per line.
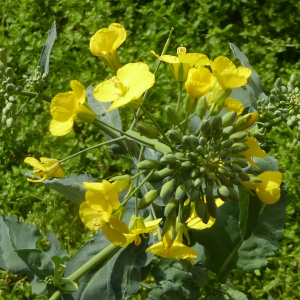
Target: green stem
<point>33,95</point>
<point>125,133</point>
<point>274,121</point>
<point>137,188</point>
<point>179,96</point>
<point>155,72</point>
<point>211,110</point>
<point>90,148</point>
<point>137,182</point>
<point>22,107</point>
<point>138,174</point>
<point>223,273</point>
<point>147,286</point>
<point>106,252</point>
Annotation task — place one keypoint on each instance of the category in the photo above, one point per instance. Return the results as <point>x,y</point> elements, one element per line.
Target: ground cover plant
<point>20,202</point>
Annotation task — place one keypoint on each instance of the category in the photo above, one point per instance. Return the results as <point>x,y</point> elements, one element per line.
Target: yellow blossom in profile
<point>65,106</point>
<point>180,65</point>
<point>169,248</point>
<point>47,167</point>
<point>127,87</point>
<point>105,42</point>
<point>268,190</point>
<point>195,222</point>
<point>234,105</point>
<point>227,74</point>
<point>199,82</point>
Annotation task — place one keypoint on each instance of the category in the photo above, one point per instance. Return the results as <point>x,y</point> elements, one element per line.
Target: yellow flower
<point>47,167</point>
<point>234,105</point>
<point>127,87</point>
<point>65,106</point>
<point>227,74</point>
<point>199,82</point>
<point>254,150</point>
<point>196,223</point>
<point>169,248</point>
<point>268,191</point>
<point>180,65</point>
<point>105,42</point>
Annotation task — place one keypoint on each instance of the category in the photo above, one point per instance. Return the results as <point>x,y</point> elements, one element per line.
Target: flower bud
<point>284,89</point>
<point>217,146</point>
<point>229,118</point>
<point>187,165</point>
<point>187,141</point>
<point>175,165</point>
<point>200,208</point>
<point>293,79</point>
<point>10,72</point>
<point>121,183</point>
<point>195,140</point>
<point>5,111</point>
<point>202,170</point>
<point>148,199</point>
<point>216,122</point>
<point>180,192</point>
<point>146,130</point>
<point>241,162</point>
<point>198,182</point>
<point>148,164</point>
<point>174,136</point>
<point>167,189</point>
<point>245,121</point>
<point>227,144</point>
<point>201,107</point>
<point>189,184</point>
<point>161,175</point>
<point>172,115</point>
<point>11,99</point>
<point>10,88</point>
<point>205,125</point>
<point>278,82</point>
<point>236,168</point>
<point>218,135</point>
<point>223,192</point>
<point>238,136</point>
<point>210,178</point>
<point>195,173</point>
<point>195,194</point>
<point>236,180</point>
<point>179,155</point>
<point>168,159</point>
<point>273,99</point>
<point>3,119</point>
<point>192,156</point>
<point>185,213</point>
<point>170,207</point>
<point>224,180</point>
<point>239,147</point>
<point>244,176</point>
<point>3,56</point>
<point>227,131</point>
<point>9,122</point>
<point>233,194</point>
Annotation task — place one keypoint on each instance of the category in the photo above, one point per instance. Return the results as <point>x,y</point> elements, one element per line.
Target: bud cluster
<point>7,90</point>
<point>207,165</point>
<point>37,81</point>
<point>284,103</point>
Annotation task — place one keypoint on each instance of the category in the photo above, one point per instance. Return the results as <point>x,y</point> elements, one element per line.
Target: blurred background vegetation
<point>266,31</point>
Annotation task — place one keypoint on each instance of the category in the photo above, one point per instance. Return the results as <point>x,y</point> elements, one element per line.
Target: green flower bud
<point>211,203</point>
<point>278,82</point>
<point>230,174</point>
<point>241,162</point>
<point>227,144</point>
<point>146,130</point>
<point>180,192</point>
<point>195,140</point>
<point>86,117</point>
<point>223,192</point>
<point>168,159</point>
<point>282,102</point>
<point>3,119</point>
<point>217,146</point>
<point>10,72</point>
<point>9,122</point>
<point>148,164</point>
<point>244,176</point>
<point>19,89</point>
<point>200,208</point>
<point>202,170</point>
<point>236,180</point>
<point>179,155</point>
<point>192,156</point>
<point>238,147</point>
<point>170,207</point>
<point>284,89</point>
<point>205,125</point>
<point>227,131</point>
<point>226,163</point>
<point>273,99</point>
<point>167,189</point>
<point>174,136</point>
<point>290,85</point>
<point>198,182</point>
<point>271,108</point>
<point>218,135</point>
<point>201,107</point>
<point>11,99</point>
<point>241,123</point>
<point>277,113</point>
<point>295,141</point>
<point>255,180</point>
<point>148,199</point>
<point>224,180</point>
<point>210,178</point>
<point>195,173</point>
<point>195,194</point>
<point>233,194</point>
<point>200,149</point>
<point>187,165</point>
<point>11,88</point>
<point>172,115</point>
<point>236,168</point>
<point>229,118</point>
<point>3,56</point>
<point>189,184</point>
<point>216,122</point>
<point>161,175</point>
<point>187,141</point>
<point>5,111</point>
<point>185,213</point>
<point>202,141</point>
<point>206,216</point>
<point>175,165</point>
<point>224,153</point>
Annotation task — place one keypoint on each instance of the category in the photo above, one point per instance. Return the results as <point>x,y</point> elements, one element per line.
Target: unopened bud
<point>205,125</point>
<point>148,199</point>
<point>168,159</point>
<point>244,176</point>
<point>187,141</point>
<point>195,173</point>
<point>189,184</point>
<point>241,162</point>
<point>227,144</point>
<point>236,180</point>
<point>121,183</point>
<point>86,117</point>
<point>172,115</point>
<point>216,122</point>
<point>187,165</point>
<point>148,164</point>
<point>146,130</point>
<point>180,192</point>
<point>167,189</point>
<point>10,88</point>
<point>229,118</point>
<point>185,213</point>
<point>200,208</point>
<point>284,89</point>
<point>11,99</point>
<point>3,56</point>
<point>174,136</point>
<point>239,147</point>
<point>233,194</point>
<point>278,82</point>
<point>218,135</point>
<point>201,107</point>
<point>195,194</point>
<point>3,119</point>
<point>223,192</point>
<point>273,99</point>
<point>10,122</point>
<point>161,175</point>
<point>170,207</point>
<point>10,72</point>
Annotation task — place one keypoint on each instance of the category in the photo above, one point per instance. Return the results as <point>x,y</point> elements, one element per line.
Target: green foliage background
<point>266,31</point>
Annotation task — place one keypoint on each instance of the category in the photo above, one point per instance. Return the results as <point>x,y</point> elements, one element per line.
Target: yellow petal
<point>90,218</point>
<point>234,105</point>
<point>194,59</point>
<point>79,91</point>
<point>61,128</point>
<point>181,251</point>
<point>233,80</point>
<point>59,173</point>
<point>149,226</point>
<point>34,163</point>
<point>63,106</point>
<point>197,223</point>
<point>221,64</point>
<point>254,148</point>
<point>167,58</point>
<point>106,91</point>
<point>158,249</point>
<point>246,72</point>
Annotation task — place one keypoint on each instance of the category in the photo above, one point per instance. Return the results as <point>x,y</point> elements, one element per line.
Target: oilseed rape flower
<point>127,87</point>
<point>227,74</point>
<point>169,248</point>
<point>65,106</point>
<point>47,167</point>
<point>268,190</point>
<point>180,65</point>
<point>105,42</point>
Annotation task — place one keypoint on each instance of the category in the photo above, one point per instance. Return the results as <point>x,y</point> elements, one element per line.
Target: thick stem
<point>179,96</point>
<point>33,95</point>
<point>137,182</point>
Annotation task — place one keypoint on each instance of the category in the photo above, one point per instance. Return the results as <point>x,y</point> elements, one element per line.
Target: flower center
<point>120,86</point>
<point>181,51</point>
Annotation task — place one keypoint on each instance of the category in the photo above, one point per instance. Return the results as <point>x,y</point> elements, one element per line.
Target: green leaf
<point>234,294</point>
<point>37,261</point>
<point>156,144</point>
<point>71,187</point>
<point>194,124</point>
<point>268,163</point>
<point>249,211</point>
<point>224,247</point>
<point>45,55</point>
